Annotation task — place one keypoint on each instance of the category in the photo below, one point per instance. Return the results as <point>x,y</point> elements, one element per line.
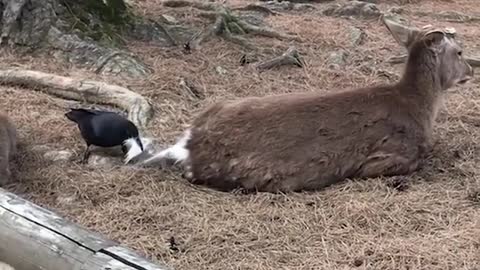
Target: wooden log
<point>33,238</point>
<point>139,109</point>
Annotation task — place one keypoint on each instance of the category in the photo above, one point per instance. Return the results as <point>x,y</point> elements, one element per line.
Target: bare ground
<point>433,224</point>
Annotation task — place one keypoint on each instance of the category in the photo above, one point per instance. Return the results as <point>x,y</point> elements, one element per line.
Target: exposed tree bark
<point>88,33</point>
<point>91,33</point>
<point>226,24</point>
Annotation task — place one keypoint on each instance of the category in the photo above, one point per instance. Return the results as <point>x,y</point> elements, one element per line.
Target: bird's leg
<point>86,154</point>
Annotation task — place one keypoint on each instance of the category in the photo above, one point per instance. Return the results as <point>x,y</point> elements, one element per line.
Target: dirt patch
<point>429,220</point>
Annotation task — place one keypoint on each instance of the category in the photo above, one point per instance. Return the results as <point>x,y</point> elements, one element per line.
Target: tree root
<point>474,62</point>
<point>218,28</point>
<point>290,57</point>
<point>139,109</point>
<point>186,3</point>
<point>226,25</point>
<point>259,8</point>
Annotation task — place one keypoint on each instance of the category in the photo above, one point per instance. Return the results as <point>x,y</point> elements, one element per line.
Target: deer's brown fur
<point>8,147</point>
<point>307,141</point>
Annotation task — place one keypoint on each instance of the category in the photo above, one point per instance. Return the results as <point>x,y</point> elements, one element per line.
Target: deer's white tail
<point>177,152</point>
<point>134,148</point>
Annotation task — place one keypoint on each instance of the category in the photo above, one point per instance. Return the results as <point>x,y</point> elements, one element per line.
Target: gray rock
<point>299,1</point>
<point>253,18</point>
<point>290,5</point>
<point>303,7</point>
<point>353,9</point>
<point>108,157</point>
<point>337,59</point>
<point>454,16</point>
<point>102,59</point>
<point>357,36</point>
<point>397,19</point>
<point>396,10</point>
<point>40,148</point>
<point>220,70</point>
<point>280,5</point>
<point>104,161</point>
<point>368,1</point>
<point>58,155</point>
<point>115,151</point>
<point>169,19</point>
<point>65,200</point>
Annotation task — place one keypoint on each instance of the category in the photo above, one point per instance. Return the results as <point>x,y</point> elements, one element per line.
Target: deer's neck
<point>421,76</point>
<point>421,86</point>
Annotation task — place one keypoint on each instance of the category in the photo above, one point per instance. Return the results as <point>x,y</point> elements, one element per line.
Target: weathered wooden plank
<point>28,246</point>
<point>101,261</point>
<point>33,238</point>
<point>51,220</point>
<point>132,257</point>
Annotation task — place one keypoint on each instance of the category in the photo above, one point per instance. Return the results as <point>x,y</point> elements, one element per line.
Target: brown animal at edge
<point>307,141</point>
<point>8,147</point>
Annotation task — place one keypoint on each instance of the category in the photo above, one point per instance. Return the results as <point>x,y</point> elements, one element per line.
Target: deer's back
<point>289,142</point>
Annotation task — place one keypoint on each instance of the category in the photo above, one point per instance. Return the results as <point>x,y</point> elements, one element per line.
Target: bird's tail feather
<point>135,147</point>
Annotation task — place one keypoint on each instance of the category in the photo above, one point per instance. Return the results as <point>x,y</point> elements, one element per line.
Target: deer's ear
<point>404,35</point>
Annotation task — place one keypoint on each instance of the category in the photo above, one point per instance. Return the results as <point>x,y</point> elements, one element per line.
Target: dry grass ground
<point>433,224</point>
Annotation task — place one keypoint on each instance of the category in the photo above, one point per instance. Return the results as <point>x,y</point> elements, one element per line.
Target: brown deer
<point>8,147</point>
<point>307,141</point>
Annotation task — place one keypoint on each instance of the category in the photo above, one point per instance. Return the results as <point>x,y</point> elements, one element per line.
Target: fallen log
<point>139,109</point>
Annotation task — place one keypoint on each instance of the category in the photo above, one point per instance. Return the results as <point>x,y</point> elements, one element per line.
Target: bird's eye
<point>459,53</point>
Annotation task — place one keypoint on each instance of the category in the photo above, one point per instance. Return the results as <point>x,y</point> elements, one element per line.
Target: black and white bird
<point>107,129</point>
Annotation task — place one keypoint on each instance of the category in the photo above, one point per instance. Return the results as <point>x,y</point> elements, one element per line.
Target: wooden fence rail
<point>33,238</point>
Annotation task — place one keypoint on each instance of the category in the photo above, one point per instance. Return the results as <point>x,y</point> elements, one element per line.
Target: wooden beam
<point>33,238</point>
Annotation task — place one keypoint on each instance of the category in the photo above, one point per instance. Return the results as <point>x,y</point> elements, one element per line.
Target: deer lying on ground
<point>307,141</point>
<point>8,147</point>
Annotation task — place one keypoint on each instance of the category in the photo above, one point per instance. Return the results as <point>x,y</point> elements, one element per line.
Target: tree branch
<point>139,109</point>
<point>290,57</point>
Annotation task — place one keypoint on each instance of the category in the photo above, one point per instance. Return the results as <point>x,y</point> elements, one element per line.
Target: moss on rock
<point>103,21</point>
